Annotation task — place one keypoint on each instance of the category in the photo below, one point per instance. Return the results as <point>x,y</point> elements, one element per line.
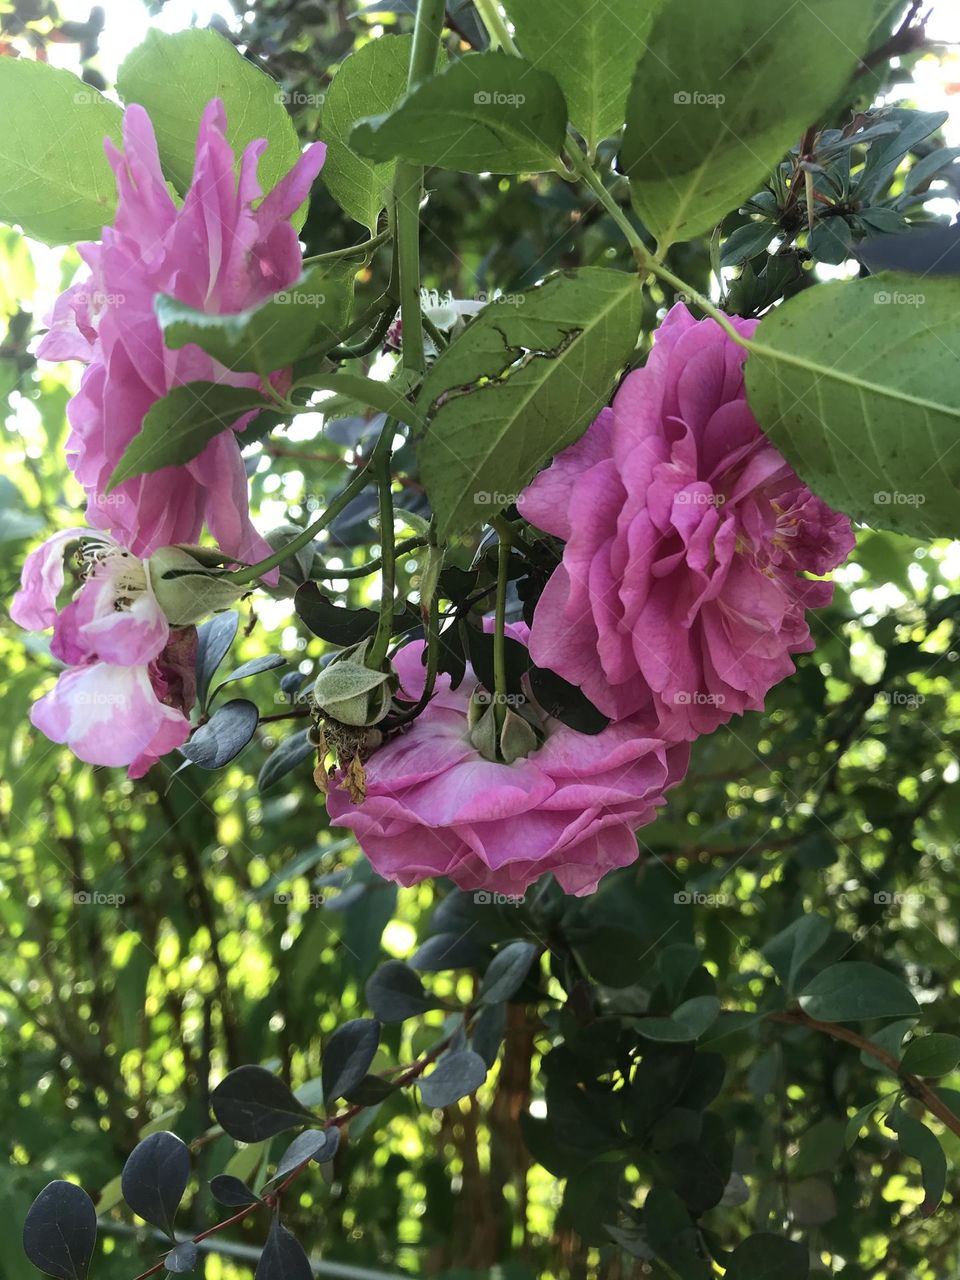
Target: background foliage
<point>158,934</point>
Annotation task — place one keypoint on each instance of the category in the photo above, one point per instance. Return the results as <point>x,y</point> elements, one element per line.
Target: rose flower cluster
<point>691,553</point>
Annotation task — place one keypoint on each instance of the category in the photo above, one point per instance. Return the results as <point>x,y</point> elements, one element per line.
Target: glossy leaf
<point>252,1104</point>
<point>155,1177</point>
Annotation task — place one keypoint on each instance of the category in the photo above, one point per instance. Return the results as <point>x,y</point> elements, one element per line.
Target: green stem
<point>367,246</point>
<point>370,342</point>
<point>359,482</point>
<point>500,37</point>
<point>408,188</point>
<point>581,165</point>
<point>499,626</point>
<point>705,305</point>
<point>388,555</point>
<point>364,570</point>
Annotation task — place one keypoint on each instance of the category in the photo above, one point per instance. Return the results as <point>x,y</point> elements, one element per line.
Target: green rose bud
<point>187,584</point>
<point>351,692</point>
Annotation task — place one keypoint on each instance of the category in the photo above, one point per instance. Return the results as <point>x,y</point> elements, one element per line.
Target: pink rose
<point>436,807</point>
<point>129,678</point>
<point>216,253</point>
<point>687,535</point>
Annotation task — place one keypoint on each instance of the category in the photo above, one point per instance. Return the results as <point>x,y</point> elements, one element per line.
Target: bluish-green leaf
<point>854,990</point>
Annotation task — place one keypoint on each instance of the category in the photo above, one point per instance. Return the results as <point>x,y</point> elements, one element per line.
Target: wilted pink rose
<point>436,807</point>
<point>217,253</point>
<point>129,678</point>
<point>687,535</point>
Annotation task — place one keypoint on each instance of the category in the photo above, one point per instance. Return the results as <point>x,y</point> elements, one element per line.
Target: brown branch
<point>916,1087</point>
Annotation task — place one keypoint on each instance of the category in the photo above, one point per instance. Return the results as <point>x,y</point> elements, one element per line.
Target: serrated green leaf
<point>313,310</point>
<point>181,424</point>
<point>57,183</point>
<point>484,112</point>
<point>722,94</point>
<point>371,81</point>
<point>495,418</point>
<point>590,50</point>
<point>858,385</point>
<point>175,76</point>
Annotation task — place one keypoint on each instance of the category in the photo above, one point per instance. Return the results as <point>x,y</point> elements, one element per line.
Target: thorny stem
<point>364,247</point>
<point>499,625</point>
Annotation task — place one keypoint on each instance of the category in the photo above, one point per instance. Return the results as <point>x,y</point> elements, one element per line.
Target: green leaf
<point>181,424</point>
<point>854,990</point>
<point>57,183</point>
<point>175,76</point>
<point>723,92</point>
<point>922,1145</point>
<point>934,1055</point>
<point>768,1257</point>
<point>485,112</point>
<point>858,385</point>
<point>507,972</point>
<point>272,335</point>
<point>521,383</point>
<point>790,949</point>
<point>371,81</point>
<point>858,1121</point>
<point>687,1022</point>
<point>590,50</point>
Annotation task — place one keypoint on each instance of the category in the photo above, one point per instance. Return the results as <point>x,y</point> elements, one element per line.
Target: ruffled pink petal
<point>34,607</point>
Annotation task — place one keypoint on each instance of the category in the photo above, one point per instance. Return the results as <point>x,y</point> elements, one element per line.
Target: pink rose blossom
<point>129,678</point>
<point>436,807</point>
<point>217,253</point>
<point>687,535</point>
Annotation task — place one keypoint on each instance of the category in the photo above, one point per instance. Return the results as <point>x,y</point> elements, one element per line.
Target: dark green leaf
<point>507,972</point>
<point>565,702</point>
<point>934,1055</point>
<point>853,990</point>
<point>155,1177</point>
<point>395,992</point>
<point>319,1145</point>
<point>251,1104</point>
<point>60,1231</point>
<point>223,736</point>
<point>687,1022</point>
<point>448,951</point>
<point>922,1145</point>
<point>793,946</point>
<point>283,1257</point>
<point>183,1259</point>
<point>456,1074</point>
<point>333,622</point>
<point>347,1057</point>
<point>768,1257</point>
<point>290,753</point>
<point>214,639</point>
<point>231,1191</point>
